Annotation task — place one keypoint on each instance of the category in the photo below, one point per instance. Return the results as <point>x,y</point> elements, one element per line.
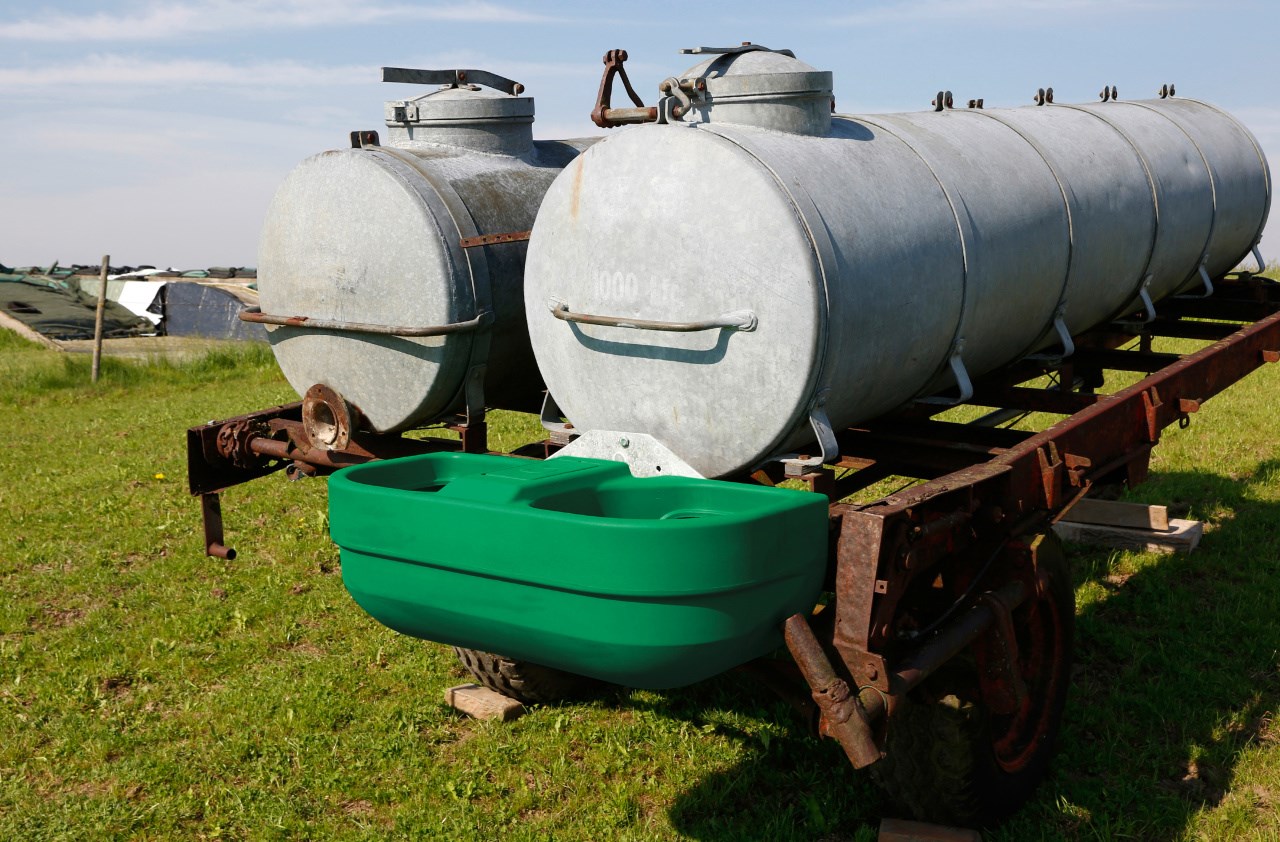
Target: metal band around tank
<point>1066,204</point>
<point>1213,191</point>
<point>810,217</point>
<point>952,357</point>
<point>1262,160</point>
<point>1155,197</point>
<point>444,202</point>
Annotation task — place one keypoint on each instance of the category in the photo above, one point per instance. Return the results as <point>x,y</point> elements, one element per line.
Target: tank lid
<point>454,103</point>
<point>753,85</point>
<point>751,70</point>
<point>458,99</point>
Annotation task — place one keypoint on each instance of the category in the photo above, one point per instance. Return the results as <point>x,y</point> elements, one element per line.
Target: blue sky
<point>158,131</point>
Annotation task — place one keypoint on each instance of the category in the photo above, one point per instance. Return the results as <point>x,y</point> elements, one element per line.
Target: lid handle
<point>745,47</point>
<point>453,78</point>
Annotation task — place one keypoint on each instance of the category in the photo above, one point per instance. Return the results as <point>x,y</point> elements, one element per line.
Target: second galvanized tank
<point>393,274</point>
<point>731,282</point>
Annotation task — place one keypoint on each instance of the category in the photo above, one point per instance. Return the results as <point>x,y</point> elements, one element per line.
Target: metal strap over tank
<point>1266,175</point>
<point>446,204</point>
<point>953,359</point>
<point>1143,276</point>
<point>1057,324</point>
<point>824,252</point>
<point>1213,193</point>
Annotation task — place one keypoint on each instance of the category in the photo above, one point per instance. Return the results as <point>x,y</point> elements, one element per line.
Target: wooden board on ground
<point>1116,513</point>
<point>1182,536</point>
<point>482,703</point>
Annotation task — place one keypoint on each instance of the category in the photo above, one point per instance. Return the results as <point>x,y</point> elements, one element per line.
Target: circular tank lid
<point>752,71</point>
<point>460,103</point>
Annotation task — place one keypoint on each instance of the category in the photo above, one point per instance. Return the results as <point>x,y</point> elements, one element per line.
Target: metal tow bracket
<point>607,117</point>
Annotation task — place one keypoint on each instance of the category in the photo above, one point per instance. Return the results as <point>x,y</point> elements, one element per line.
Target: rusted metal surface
<point>218,454</point>
<point>327,418</point>
<point>843,718</point>
<point>494,239</point>
<point>221,454</point>
<point>918,556</point>
<point>211,516</point>
<point>607,117</point>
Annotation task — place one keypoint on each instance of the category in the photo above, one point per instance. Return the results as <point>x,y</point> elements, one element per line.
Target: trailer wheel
<point>525,681</point>
<point>949,759</point>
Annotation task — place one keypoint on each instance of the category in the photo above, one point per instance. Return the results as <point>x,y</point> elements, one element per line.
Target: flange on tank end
<point>327,418</point>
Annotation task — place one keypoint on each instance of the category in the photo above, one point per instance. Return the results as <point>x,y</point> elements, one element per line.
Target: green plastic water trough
<point>575,564</point>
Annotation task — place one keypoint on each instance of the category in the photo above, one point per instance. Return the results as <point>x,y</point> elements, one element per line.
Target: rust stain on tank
<point>577,188</point>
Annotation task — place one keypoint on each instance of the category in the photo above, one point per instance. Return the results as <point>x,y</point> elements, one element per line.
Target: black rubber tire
<point>524,681</point>
<point>942,763</point>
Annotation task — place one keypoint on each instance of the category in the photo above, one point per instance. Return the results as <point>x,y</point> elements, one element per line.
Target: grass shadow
<point>789,784</point>
<point>1176,673</point>
<point>1176,678</point>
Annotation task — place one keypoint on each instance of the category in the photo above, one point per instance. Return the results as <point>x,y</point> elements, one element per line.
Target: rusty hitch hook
<point>607,117</point>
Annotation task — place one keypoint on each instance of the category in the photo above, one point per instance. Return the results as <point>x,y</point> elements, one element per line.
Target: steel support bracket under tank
<point>643,454</point>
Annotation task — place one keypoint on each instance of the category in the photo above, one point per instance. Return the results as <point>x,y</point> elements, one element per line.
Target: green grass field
<point>149,692</point>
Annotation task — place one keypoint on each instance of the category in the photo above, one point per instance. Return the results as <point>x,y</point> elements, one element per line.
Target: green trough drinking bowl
<point>575,564</point>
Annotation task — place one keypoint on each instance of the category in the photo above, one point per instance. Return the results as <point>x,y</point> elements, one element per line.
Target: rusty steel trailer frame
<point>970,531</point>
<point>993,491</point>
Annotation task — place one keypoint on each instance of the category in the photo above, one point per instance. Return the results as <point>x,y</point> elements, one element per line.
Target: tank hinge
<point>364,139</point>
<point>1108,94</point>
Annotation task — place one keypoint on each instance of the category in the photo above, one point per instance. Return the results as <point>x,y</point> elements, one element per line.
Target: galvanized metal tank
<point>733,282</point>
<point>369,266</point>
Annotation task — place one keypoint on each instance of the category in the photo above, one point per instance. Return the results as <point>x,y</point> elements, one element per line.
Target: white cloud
<point>1004,12</point>
<point>164,20</point>
<point>110,71</point>
<point>120,72</point>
